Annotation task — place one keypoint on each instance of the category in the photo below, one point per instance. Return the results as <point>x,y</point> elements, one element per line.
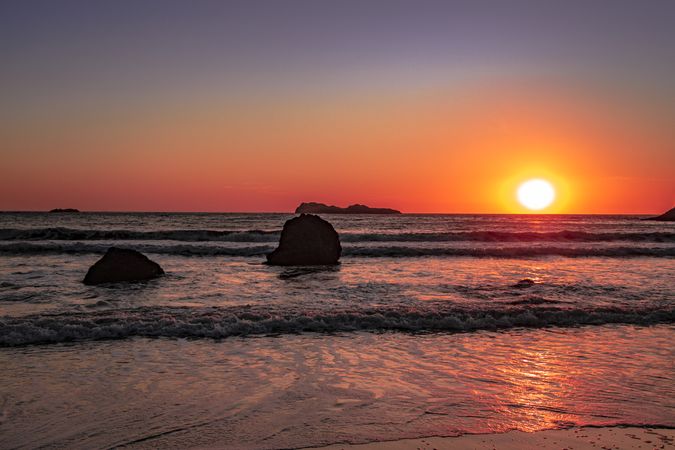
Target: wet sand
<point>585,438</point>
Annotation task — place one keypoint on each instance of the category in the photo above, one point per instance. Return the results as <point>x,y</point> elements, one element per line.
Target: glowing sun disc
<point>536,194</point>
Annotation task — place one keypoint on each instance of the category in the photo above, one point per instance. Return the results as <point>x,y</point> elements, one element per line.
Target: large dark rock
<point>307,240</point>
<point>321,208</point>
<point>668,216</point>
<point>119,264</point>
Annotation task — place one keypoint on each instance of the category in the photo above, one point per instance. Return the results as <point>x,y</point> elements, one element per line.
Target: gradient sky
<point>425,106</point>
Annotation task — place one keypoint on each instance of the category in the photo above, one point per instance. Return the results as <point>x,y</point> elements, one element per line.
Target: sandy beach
<point>584,438</point>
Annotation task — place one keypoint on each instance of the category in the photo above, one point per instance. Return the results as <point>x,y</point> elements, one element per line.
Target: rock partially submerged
<point>322,208</point>
<point>307,240</point>
<point>524,283</point>
<point>64,210</point>
<point>120,264</point>
<point>668,216</point>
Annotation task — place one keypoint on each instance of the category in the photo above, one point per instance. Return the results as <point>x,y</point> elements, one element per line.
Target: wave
<point>512,252</point>
<point>23,248</point>
<point>73,234</point>
<point>508,236</point>
<point>27,248</point>
<point>218,323</point>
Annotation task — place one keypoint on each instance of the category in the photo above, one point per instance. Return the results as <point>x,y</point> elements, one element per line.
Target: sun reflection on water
<point>536,387</point>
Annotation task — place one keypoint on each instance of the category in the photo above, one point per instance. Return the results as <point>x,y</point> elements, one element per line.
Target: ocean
<point>421,330</point>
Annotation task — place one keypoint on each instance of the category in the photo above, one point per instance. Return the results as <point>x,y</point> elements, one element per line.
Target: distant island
<point>64,210</point>
<point>668,216</point>
<point>321,208</point>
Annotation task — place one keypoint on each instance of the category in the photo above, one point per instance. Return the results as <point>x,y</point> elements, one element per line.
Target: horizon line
<point>336,214</point>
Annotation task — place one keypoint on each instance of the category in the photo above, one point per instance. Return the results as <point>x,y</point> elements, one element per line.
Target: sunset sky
<point>423,106</point>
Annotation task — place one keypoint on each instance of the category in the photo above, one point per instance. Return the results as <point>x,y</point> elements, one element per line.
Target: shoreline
<point>576,438</point>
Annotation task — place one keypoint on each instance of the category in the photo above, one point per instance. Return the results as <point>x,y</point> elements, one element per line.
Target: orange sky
<point>421,120</point>
<point>442,149</point>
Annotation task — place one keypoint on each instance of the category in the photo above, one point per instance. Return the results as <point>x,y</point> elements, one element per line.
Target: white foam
<point>217,323</point>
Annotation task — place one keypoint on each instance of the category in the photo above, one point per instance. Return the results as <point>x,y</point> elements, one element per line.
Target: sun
<point>536,194</point>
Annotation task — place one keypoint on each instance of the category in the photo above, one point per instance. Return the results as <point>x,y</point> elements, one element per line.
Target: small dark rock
<point>119,264</point>
<point>64,210</point>
<point>525,283</point>
<point>307,240</point>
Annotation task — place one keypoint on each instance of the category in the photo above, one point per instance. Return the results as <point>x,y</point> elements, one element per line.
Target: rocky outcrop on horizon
<point>307,240</point>
<point>64,210</point>
<point>322,208</point>
<point>120,264</point>
<point>668,216</point>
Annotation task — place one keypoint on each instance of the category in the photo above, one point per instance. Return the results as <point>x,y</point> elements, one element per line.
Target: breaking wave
<point>512,252</point>
<point>73,234</point>
<point>218,323</point>
<point>507,236</point>
<point>28,248</point>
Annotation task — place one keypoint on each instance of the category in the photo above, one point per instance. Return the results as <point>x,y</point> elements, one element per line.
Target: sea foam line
<point>218,323</point>
<point>73,234</point>
<point>28,248</point>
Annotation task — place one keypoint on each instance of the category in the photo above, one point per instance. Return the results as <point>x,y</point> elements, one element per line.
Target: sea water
<point>421,330</point>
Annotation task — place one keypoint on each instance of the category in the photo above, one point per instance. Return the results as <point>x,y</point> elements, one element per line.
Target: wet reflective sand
<point>320,389</point>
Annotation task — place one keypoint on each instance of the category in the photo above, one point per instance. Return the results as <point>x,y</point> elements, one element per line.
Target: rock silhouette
<point>668,216</point>
<point>321,208</point>
<point>65,210</point>
<point>119,264</point>
<point>307,240</point>
<point>524,283</point>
